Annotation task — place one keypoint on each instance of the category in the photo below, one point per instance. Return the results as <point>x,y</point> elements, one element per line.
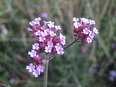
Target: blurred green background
<point>81,65</point>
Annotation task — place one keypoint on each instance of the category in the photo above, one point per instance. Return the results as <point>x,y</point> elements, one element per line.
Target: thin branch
<point>46,71</point>
<point>75,41</point>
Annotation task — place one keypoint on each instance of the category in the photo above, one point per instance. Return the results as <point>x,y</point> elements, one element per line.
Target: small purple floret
<point>35,46</point>
<point>44,15</point>
<point>48,49</point>
<point>62,38</point>
<point>32,53</point>
<point>31,67</point>
<point>51,24</point>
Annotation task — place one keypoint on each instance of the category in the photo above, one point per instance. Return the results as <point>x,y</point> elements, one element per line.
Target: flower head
<point>82,29</point>
<point>46,37</point>
<point>36,70</point>
<point>47,41</point>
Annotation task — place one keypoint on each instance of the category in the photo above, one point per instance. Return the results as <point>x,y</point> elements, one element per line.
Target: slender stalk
<point>46,71</point>
<point>47,58</point>
<point>75,41</point>
<point>71,44</point>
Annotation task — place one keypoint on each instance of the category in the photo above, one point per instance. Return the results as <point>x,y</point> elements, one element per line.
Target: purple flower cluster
<point>48,41</point>
<point>35,69</point>
<point>82,29</point>
<point>112,76</point>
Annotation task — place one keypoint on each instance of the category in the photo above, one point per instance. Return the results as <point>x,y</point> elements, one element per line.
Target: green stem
<point>46,72</point>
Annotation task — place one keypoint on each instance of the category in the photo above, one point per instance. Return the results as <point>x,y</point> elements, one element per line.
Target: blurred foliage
<point>71,69</point>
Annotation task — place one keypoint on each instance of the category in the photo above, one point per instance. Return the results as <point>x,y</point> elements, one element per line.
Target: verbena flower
<point>82,29</point>
<point>32,53</point>
<point>44,14</point>
<point>57,28</point>
<point>50,44</point>
<point>4,32</point>
<point>2,26</point>
<point>87,5</point>
<point>113,45</point>
<point>38,70</point>
<point>62,38</point>
<point>47,41</point>
<point>90,69</point>
<point>48,49</point>
<point>35,46</point>
<point>31,67</point>
<point>112,76</point>
<point>59,49</point>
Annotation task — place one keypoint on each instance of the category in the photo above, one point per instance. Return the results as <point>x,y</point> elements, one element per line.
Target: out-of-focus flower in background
<point>14,81</point>
<point>112,76</point>
<point>90,69</point>
<point>2,26</point>
<point>84,49</point>
<point>4,31</point>
<point>87,5</point>
<point>113,45</point>
<point>44,15</point>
